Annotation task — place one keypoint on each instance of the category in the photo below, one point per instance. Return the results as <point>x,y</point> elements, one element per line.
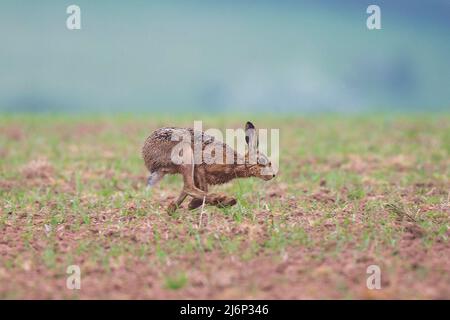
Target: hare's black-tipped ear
<point>249,132</point>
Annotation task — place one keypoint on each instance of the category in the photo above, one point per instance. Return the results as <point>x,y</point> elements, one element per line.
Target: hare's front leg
<point>226,202</point>
<point>176,204</point>
<point>200,182</point>
<point>221,201</point>
<point>189,187</point>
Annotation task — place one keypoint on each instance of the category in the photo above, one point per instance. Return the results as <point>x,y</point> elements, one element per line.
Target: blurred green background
<point>228,56</point>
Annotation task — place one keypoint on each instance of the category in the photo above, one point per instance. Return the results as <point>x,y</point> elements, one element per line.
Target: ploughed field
<point>351,192</point>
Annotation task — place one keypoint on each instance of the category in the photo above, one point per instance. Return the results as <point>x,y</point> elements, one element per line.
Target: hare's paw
<point>224,201</point>
<point>171,208</point>
<point>195,203</point>
<point>228,202</point>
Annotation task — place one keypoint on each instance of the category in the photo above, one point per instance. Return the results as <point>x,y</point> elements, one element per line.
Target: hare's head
<point>258,164</point>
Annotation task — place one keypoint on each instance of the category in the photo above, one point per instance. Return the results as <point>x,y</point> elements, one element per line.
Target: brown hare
<point>158,154</point>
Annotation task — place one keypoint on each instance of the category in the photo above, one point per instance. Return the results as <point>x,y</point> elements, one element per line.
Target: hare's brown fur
<point>157,152</point>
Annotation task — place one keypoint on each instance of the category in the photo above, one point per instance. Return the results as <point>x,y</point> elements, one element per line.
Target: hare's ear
<point>250,134</point>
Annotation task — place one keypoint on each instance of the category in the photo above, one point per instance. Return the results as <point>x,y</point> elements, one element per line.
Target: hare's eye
<point>262,161</point>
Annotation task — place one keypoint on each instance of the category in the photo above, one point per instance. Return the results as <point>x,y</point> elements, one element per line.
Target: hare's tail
<point>154,178</point>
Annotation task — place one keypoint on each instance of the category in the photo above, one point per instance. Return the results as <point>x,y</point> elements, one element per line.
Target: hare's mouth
<point>268,177</point>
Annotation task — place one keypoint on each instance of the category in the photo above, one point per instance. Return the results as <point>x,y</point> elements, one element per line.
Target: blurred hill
<point>206,56</point>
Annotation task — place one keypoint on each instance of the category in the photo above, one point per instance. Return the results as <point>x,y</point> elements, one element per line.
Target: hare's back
<point>158,147</point>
